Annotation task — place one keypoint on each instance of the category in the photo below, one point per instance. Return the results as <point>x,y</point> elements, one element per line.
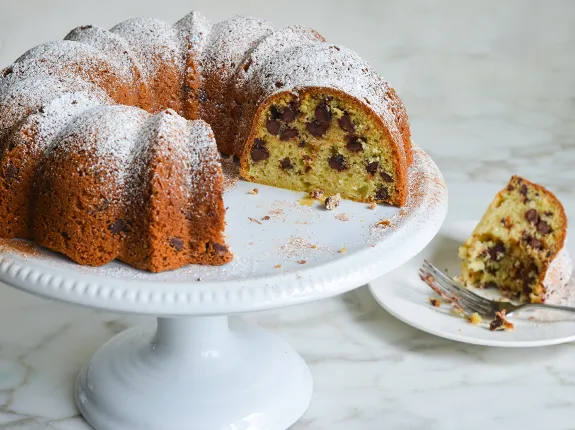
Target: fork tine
<point>462,290</point>
<point>471,301</point>
<point>474,305</point>
<point>456,301</point>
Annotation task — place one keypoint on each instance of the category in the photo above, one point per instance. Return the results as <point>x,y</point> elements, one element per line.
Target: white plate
<point>406,297</point>
<point>254,280</point>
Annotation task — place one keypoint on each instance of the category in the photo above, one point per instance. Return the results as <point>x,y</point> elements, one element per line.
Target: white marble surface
<point>490,90</point>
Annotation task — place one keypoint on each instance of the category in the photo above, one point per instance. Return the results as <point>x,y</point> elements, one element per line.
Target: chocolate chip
<point>523,190</point>
<point>259,151</point>
<point>496,252</point>
<point>10,172</point>
<point>237,160</point>
<point>532,216</point>
<point>288,133</point>
<point>532,242</point>
<point>286,164</point>
<point>322,113</point>
<point>7,71</point>
<point>279,84</point>
<point>65,235</point>
<point>386,177</point>
<point>548,213</point>
<point>85,27</point>
<point>273,127</point>
<point>527,285</point>
<point>274,112</point>
<point>496,324</point>
<point>382,194</point>
<point>510,187</point>
<point>290,112</point>
<point>220,249</point>
<point>354,144</point>
<point>316,128</point>
<point>345,123</point>
<point>177,243</point>
<point>337,162</point>
<point>117,226</point>
<point>372,167</point>
<point>202,95</point>
<point>543,227</point>
<point>307,169</point>
<point>301,144</point>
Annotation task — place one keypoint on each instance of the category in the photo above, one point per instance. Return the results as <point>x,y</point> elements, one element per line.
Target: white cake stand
<point>203,369</point>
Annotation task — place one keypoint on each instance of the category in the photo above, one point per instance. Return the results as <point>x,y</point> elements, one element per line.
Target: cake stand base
<point>194,373</point>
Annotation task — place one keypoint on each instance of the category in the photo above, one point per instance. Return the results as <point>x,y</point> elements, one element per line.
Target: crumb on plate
<point>474,318</point>
<point>500,322</point>
<point>332,202</point>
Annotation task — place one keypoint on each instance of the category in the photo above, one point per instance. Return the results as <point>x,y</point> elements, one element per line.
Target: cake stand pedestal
<point>194,372</point>
<point>203,367</point>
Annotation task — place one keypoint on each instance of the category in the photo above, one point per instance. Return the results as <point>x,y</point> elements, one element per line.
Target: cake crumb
<point>301,262</point>
<point>313,246</point>
<point>316,194</point>
<point>254,191</point>
<point>383,223</point>
<point>474,318</point>
<point>500,322</point>
<point>278,266</point>
<point>342,217</point>
<point>254,220</point>
<point>199,279</point>
<point>373,205</point>
<point>332,202</point>
<point>435,302</point>
<point>343,250</point>
<point>267,217</point>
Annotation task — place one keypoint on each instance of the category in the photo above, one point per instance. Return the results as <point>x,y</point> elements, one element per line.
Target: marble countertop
<point>490,92</point>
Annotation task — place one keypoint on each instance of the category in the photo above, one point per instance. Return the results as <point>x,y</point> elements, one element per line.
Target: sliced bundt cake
<point>99,161</point>
<point>519,244</point>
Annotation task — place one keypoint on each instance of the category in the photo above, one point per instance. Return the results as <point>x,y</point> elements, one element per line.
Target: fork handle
<point>547,306</point>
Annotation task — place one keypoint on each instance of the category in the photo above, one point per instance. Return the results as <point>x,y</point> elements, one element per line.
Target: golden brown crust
<point>398,109</point>
<point>518,181</point>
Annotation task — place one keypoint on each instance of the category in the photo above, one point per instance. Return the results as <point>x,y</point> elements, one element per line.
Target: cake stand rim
<point>238,295</point>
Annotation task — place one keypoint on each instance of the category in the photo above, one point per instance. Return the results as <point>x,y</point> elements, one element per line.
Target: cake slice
<point>518,246</point>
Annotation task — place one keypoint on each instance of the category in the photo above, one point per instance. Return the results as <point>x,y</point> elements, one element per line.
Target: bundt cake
<point>104,152</point>
<point>519,244</point>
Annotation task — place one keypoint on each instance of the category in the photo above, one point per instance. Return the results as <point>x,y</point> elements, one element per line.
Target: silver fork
<point>470,302</point>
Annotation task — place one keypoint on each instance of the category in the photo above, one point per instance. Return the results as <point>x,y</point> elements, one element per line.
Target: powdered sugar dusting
<point>27,96</point>
<point>117,49</point>
<point>231,171</point>
<point>298,247</point>
<point>327,66</point>
<point>426,190</point>
<point>153,42</point>
<point>228,43</point>
<point>108,135</point>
